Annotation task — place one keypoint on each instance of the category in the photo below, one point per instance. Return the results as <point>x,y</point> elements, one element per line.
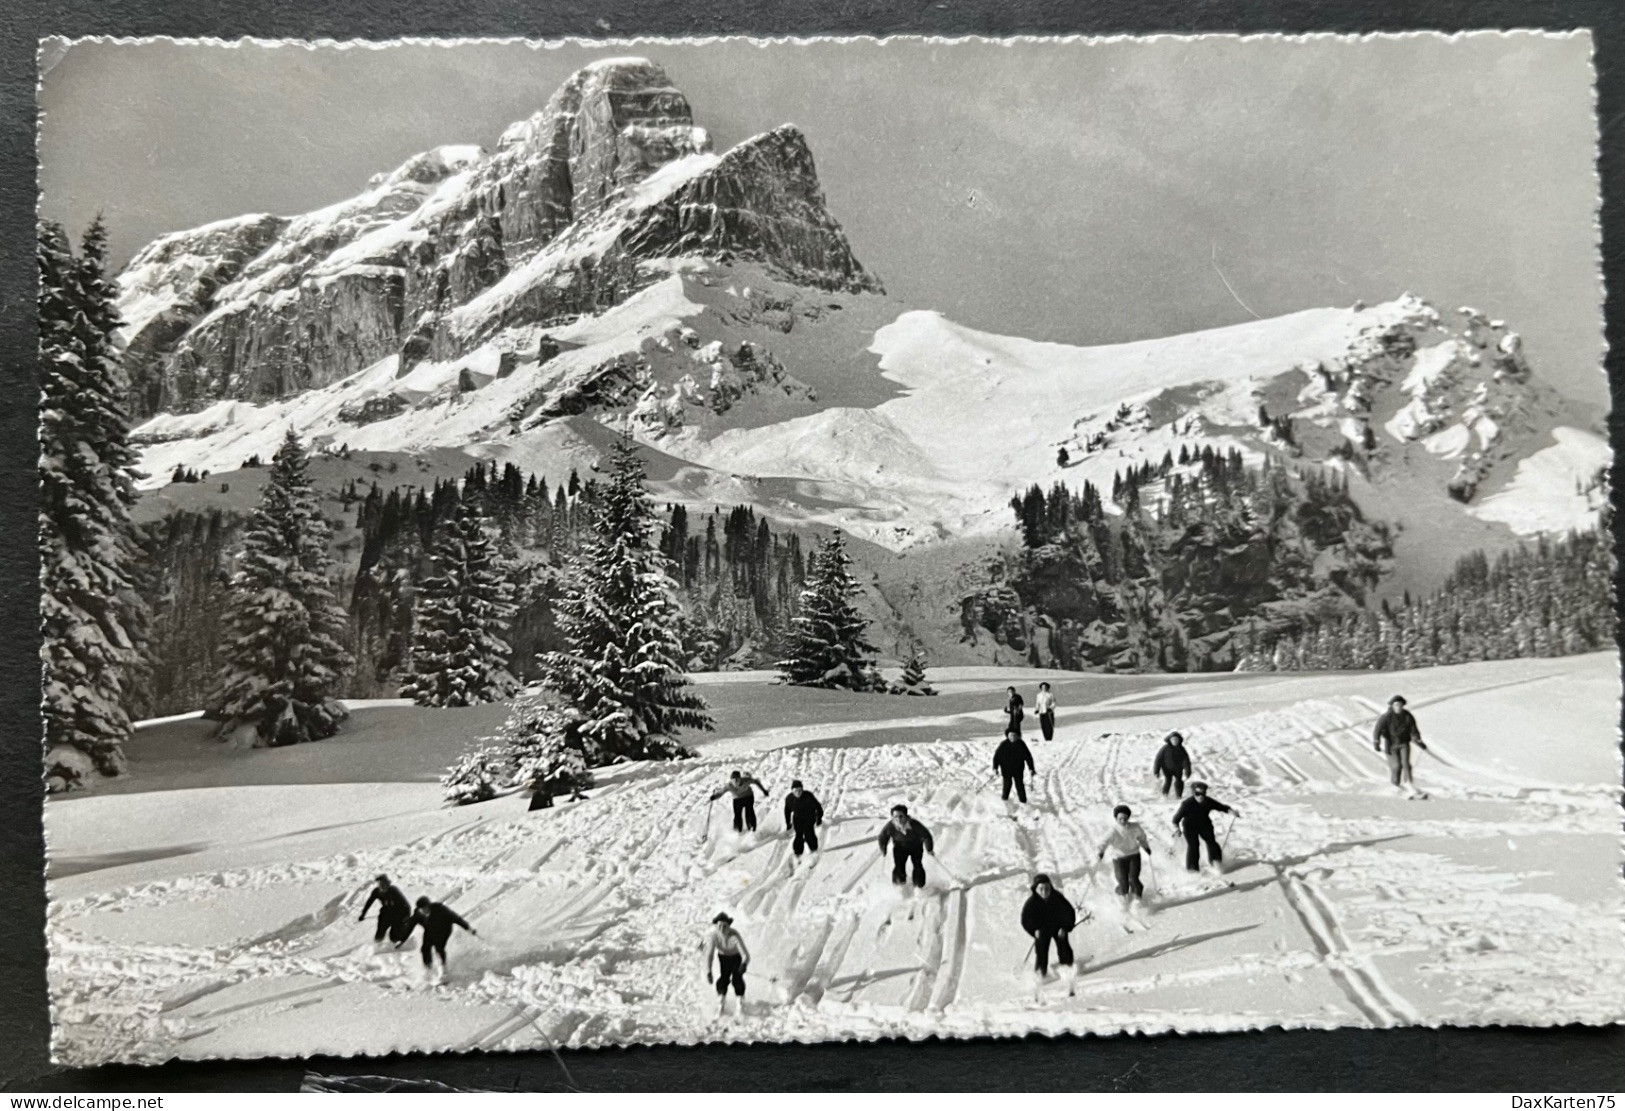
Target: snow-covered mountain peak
<point>454,246</point>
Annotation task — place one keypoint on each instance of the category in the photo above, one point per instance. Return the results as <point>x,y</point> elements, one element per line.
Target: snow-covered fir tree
<point>90,616</point>
<point>459,657</point>
<point>827,645</point>
<point>914,681</point>
<point>284,659</point>
<point>623,670</point>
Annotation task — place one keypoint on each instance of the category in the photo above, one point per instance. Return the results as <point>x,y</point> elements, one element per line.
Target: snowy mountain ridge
<point>604,270</point>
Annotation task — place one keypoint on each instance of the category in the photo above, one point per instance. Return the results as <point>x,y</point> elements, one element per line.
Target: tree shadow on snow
<point>1170,946</point>
<point>864,980</point>
<point>1234,889</point>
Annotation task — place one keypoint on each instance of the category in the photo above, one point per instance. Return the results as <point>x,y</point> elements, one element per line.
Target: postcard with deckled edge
<point>668,541</point>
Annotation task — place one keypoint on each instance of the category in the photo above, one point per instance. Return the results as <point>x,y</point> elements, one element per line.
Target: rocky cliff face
<point>172,284</point>
<point>457,244</point>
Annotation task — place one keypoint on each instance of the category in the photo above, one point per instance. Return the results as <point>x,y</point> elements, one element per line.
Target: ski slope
<point>228,928</point>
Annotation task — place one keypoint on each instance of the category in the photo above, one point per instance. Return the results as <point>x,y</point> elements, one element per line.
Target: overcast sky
<point>1077,192</point>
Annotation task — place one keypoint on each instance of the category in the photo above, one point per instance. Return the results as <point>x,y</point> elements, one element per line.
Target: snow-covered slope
<point>1496,901</point>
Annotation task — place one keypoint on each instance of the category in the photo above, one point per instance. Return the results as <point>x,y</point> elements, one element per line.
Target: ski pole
<point>705,830</point>
<point>1022,963</point>
<point>1226,839</point>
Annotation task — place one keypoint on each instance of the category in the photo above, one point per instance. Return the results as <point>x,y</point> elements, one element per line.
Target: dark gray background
<point>1504,1059</point>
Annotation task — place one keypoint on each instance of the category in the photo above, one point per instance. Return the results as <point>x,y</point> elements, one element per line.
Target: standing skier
<point>1008,759</point>
<point>437,919</point>
<point>1396,731</point>
<point>802,814</point>
<point>738,786</point>
<point>1173,765</point>
<point>1046,711</point>
<point>394,912</point>
<point>733,958</point>
<point>1014,711</point>
<point>1193,819</point>
<point>909,841</point>
<point>1125,840</point>
<point>1047,916</point>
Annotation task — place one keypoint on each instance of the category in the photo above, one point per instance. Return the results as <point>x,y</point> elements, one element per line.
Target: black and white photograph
<point>667,541</point>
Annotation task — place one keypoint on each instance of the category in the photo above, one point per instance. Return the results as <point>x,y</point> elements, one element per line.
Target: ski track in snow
<point>1348,906</point>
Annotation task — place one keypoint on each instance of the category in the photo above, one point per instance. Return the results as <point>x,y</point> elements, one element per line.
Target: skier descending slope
<point>1048,916</point>
<point>1193,819</point>
<point>1008,759</point>
<point>1125,840</point>
<point>1172,765</point>
<point>1015,711</point>
<point>394,912</point>
<point>909,840</point>
<point>802,814</point>
<point>437,919</point>
<point>1396,731</point>
<point>738,786</point>
<point>1045,704</point>
<point>733,958</point>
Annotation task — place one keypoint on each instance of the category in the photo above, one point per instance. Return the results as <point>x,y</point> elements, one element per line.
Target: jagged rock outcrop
<point>170,285</point>
<point>457,244</point>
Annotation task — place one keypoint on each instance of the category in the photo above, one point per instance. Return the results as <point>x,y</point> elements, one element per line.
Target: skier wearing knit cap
<point>1396,731</point>
<point>1172,765</point>
<point>394,912</point>
<point>1193,819</point>
<point>803,813</point>
<point>1047,917</point>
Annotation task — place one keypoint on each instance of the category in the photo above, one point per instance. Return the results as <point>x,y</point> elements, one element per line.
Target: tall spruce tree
<point>284,658</point>
<point>90,615</point>
<point>623,670</point>
<point>827,636</point>
<point>459,657</point>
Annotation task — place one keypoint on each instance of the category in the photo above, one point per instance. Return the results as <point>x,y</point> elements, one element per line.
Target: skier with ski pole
<point>1008,759</point>
<point>1394,734</point>
<point>1126,839</point>
<point>733,959</point>
<point>739,786</point>
<point>394,911</point>
<point>803,813</point>
<point>909,840</point>
<point>1048,917</point>
<point>437,919</point>
<point>1194,820</point>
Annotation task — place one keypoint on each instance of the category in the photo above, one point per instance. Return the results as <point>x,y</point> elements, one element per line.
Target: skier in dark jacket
<point>1396,731</point>
<point>1048,916</point>
<point>1173,765</point>
<point>1193,819</point>
<point>437,919</point>
<point>738,786</point>
<point>394,912</point>
<point>802,814</point>
<point>909,840</point>
<point>1014,710</point>
<point>1008,759</point>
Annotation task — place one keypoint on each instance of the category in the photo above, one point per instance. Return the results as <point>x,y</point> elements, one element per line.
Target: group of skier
<point>397,919</point>
<point>1015,710</point>
<point>1047,916</point>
